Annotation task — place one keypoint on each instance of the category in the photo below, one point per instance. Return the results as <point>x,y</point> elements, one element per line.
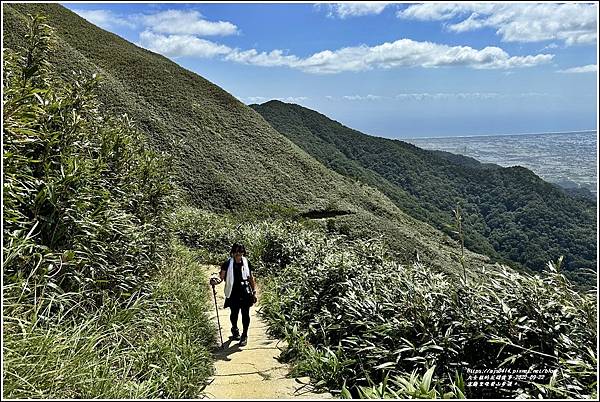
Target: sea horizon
<point>500,135</point>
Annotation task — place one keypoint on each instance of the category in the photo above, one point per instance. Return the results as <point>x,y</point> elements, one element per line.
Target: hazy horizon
<point>569,158</point>
<point>503,134</point>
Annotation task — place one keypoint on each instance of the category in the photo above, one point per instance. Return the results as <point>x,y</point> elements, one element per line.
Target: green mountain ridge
<point>510,213</point>
<point>226,156</point>
<point>106,261</point>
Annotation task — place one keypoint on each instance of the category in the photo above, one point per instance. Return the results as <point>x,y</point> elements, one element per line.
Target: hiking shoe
<point>235,334</point>
<point>243,341</point>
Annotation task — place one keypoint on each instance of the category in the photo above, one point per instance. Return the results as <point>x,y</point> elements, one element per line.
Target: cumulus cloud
<point>571,23</point>
<point>184,22</point>
<point>188,22</point>
<point>401,53</point>
<point>176,33</point>
<point>346,10</point>
<point>590,68</point>
<point>181,45</point>
<point>275,58</point>
<point>441,11</point>
<point>105,19</point>
<point>409,53</point>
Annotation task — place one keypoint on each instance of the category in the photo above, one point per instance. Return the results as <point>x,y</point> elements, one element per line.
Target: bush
<point>96,303</point>
<point>362,324</point>
<point>84,198</point>
<point>158,346</point>
<point>355,321</point>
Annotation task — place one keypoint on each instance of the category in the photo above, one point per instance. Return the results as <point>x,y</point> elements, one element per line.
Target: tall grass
<point>158,346</point>
<point>97,301</point>
<point>85,200</point>
<point>362,324</point>
<point>386,319</point>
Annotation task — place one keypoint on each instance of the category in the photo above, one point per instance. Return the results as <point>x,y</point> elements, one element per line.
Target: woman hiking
<point>240,290</point>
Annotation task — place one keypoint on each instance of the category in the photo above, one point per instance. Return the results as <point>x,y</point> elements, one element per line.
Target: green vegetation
<point>97,301</point>
<point>510,214</point>
<point>362,324</point>
<point>103,292</point>
<point>224,155</point>
<point>155,346</point>
<point>84,199</point>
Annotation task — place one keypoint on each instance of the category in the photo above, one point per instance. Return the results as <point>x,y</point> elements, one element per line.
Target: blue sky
<point>395,70</point>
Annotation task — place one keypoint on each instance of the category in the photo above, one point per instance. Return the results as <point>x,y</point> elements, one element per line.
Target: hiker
<point>240,290</point>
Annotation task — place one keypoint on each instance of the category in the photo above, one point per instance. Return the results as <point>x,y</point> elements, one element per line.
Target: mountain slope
<point>226,156</point>
<point>509,212</point>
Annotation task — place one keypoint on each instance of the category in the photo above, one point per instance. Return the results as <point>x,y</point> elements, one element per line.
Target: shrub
<point>84,198</point>
<point>158,346</point>
<point>383,319</point>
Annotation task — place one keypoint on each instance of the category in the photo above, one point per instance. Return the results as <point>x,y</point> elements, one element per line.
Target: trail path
<point>252,371</point>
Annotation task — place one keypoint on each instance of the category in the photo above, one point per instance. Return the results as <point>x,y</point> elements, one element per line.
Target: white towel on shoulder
<point>229,277</point>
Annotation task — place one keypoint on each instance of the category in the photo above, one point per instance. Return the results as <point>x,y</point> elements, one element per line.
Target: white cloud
<point>181,45</point>
<point>401,53</point>
<point>188,22</point>
<point>183,22</point>
<point>590,68</point>
<point>571,23</point>
<point>105,19</point>
<point>257,99</point>
<point>409,53</point>
<point>345,10</point>
<point>440,11</point>
<point>274,58</point>
<point>550,46</point>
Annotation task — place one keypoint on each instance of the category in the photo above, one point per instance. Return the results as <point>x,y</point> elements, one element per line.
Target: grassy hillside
<point>225,156</point>
<point>98,301</point>
<point>104,295</point>
<point>509,212</point>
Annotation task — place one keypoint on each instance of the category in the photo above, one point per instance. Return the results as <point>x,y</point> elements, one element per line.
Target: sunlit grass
<point>354,317</point>
<point>156,347</point>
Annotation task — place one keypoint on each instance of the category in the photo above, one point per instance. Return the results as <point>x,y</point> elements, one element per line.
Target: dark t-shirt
<point>237,297</point>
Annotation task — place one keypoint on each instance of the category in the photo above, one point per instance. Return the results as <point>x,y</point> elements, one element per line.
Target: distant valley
<point>567,159</point>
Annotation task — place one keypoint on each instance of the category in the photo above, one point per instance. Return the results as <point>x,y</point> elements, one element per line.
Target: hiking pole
<point>217,310</point>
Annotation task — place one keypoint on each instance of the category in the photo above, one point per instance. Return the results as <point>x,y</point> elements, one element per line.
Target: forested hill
<point>226,157</point>
<point>508,212</point>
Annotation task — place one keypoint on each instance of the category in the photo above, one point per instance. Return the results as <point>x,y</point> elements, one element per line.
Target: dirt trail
<point>252,371</point>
